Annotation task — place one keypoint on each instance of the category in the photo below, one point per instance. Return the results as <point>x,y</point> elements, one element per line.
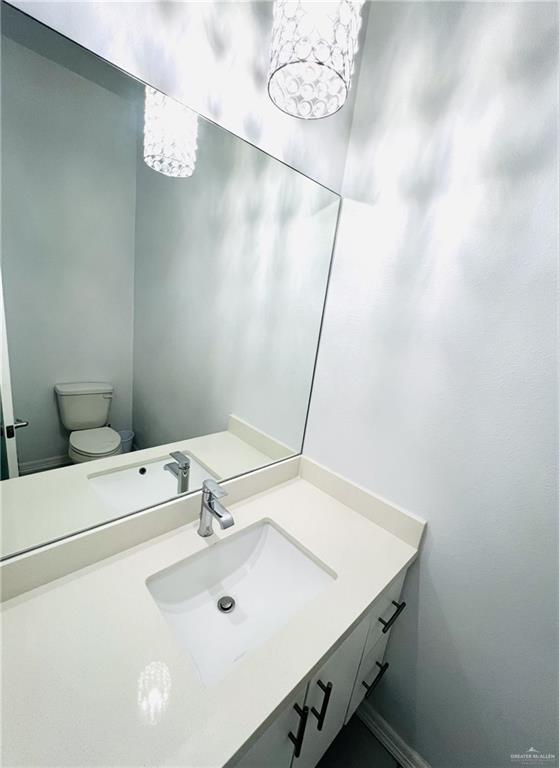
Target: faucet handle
<point>182,460</point>
<point>211,488</point>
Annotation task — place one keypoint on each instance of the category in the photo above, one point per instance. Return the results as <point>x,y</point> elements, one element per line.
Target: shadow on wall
<point>243,254</point>
<point>440,336</point>
<point>408,675</point>
<point>445,146</point>
<point>429,99</point>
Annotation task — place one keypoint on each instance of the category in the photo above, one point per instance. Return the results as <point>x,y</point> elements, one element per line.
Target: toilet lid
<point>95,442</point>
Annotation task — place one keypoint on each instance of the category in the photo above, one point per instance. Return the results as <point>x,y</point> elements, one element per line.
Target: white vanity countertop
<point>74,651</point>
<point>42,507</point>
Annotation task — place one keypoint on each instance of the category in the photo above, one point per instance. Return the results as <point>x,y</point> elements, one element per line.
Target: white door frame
<point>6,392</point>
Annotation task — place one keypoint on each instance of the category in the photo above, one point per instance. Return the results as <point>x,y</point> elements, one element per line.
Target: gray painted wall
<point>436,383</point>
<point>68,251</point>
<point>231,269</point>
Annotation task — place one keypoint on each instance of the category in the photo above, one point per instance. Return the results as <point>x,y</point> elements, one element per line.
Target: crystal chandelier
<point>170,135</point>
<point>313,55</point>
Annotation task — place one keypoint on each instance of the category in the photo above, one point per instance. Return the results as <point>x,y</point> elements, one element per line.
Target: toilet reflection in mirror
<point>84,411</point>
<point>148,310</point>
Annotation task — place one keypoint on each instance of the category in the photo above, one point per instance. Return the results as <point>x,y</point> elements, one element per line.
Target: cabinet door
<point>328,697</point>
<point>384,612</point>
<point>274,748</point>
<point>370,670</point>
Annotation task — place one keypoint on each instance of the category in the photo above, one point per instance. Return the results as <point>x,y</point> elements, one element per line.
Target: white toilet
<point>84,410</point>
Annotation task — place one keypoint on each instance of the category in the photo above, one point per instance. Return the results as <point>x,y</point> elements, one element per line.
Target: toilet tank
<point>84,404</point>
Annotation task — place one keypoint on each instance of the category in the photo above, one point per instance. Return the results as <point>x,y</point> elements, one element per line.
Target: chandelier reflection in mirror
<point>313,55</point>
<point>170,135</point>
<point>154,687</point>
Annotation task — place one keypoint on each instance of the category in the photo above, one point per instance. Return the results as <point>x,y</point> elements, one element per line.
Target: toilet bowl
<point>84,410</point>
<point>90,444</point>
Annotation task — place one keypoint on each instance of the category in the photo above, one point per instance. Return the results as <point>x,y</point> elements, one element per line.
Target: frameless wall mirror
<point>163,288</point>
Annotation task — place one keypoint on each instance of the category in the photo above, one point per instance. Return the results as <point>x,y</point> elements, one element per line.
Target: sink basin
<point>269,579</point>
<point>144,485</point>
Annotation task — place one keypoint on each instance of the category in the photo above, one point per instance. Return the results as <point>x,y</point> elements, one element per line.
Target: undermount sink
<point>144,485</point>
<point>229,599</point>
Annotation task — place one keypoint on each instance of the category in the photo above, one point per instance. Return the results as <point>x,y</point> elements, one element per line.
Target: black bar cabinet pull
<point>298,740</point>
<point>376,681</point>
<point>387,624</point>
<point>327,689</point>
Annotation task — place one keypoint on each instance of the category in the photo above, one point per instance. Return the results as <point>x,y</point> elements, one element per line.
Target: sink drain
<point>225,604</point>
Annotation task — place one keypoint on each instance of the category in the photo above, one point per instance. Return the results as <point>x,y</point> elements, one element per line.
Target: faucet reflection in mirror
<point>170,135</point>
<point>313,55</point>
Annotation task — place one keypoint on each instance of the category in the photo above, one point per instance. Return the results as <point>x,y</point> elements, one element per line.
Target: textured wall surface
<point>436,381</point>
<point>67,251</point>
<point>214,57</point>
<point>231,270</point>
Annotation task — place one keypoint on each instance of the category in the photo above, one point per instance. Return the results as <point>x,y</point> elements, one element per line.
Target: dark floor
<point>356,747</point>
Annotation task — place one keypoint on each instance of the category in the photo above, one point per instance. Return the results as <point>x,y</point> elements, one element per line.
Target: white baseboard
<point>404,755</point>
<point>39,465</point>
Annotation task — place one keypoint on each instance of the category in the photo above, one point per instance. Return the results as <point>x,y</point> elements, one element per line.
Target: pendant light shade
<point>170,135</point>
<point>313,55</point>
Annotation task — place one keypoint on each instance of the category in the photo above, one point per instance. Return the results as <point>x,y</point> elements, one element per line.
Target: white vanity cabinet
<point>307,725</point>
<point>328,697</point>
<point>371,671</point>
<point>382,615</point>
<point>274,749</point>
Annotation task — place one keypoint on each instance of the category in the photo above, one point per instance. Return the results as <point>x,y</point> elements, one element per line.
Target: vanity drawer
<point>386,609</point>
<point>371,671</point>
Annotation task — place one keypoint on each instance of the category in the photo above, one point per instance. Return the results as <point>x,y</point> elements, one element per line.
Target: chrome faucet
<point>180,468</point>
<point>211,508</point>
